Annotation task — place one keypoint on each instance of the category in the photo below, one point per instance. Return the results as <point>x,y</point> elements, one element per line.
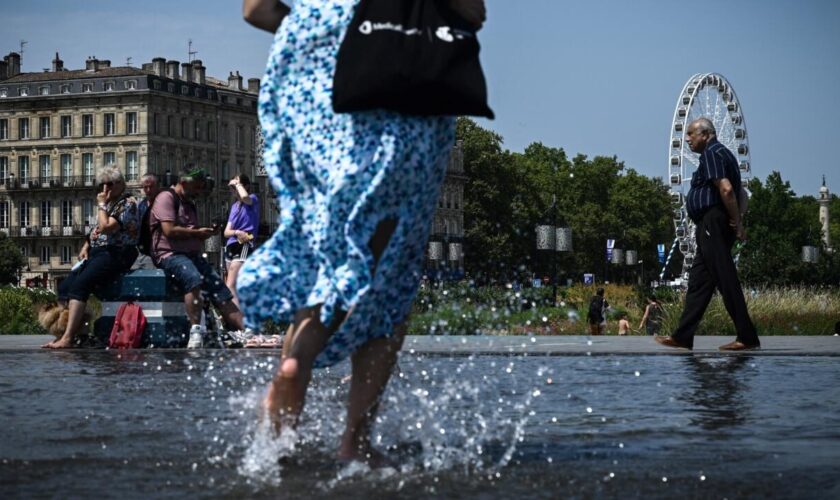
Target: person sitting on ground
<point>177,244</point>
<point>107,254</point>
<point>652,317</point>
<point>242,226</point>
<point>623,324</point>
<point>597,315</point>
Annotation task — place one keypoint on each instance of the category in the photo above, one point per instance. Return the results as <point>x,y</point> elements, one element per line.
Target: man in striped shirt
<point>712,204</point>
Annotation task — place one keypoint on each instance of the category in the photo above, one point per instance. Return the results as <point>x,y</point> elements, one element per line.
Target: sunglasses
<point>103,184</point>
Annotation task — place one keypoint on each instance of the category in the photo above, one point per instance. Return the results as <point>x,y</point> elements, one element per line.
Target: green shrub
<point>17,310</point>
<point>457,309</point>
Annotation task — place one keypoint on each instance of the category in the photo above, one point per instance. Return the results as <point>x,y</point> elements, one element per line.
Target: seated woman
<point>108,253</point>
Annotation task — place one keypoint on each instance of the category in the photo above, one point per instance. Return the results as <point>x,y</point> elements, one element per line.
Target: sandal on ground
<point>261,341</point>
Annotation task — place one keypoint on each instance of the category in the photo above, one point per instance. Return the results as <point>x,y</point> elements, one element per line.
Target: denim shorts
<point>190,271</point>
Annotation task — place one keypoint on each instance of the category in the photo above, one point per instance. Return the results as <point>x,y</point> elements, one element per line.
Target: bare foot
<point>276,403</point>
<point>61,343</point>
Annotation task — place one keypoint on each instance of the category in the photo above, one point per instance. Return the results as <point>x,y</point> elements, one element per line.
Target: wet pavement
<point>799,345</point>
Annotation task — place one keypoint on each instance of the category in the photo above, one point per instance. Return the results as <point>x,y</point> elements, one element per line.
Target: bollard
<point>162,303</point>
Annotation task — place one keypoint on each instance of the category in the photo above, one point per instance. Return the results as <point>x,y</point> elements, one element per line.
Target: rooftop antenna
<point>22,45</point>
<point>128,61</point>
<point>190,52</point>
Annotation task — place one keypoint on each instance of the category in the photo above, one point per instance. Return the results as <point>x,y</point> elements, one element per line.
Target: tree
<point>778,224</point>
<point>11,260</point>
<point>508,194</point>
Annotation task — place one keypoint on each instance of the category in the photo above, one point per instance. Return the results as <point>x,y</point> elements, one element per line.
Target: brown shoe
<point>669,341</point>
<point>738,346</point>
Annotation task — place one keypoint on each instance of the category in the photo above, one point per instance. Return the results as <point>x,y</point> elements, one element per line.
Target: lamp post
<point>554,239</point>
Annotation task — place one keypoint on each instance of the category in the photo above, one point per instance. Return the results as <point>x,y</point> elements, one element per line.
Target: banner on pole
<point>660,250</point>
<point>610,246</point>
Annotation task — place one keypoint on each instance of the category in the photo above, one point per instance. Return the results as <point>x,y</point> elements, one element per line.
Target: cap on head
<point>194,174</point>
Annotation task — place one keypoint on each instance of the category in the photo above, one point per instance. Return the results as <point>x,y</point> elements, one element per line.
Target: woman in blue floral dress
<point>357,193</point>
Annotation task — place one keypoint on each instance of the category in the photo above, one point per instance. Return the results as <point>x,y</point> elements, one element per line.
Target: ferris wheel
<point>707,95</point>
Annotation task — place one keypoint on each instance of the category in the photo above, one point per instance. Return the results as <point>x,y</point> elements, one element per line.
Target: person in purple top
<point>241,228</point>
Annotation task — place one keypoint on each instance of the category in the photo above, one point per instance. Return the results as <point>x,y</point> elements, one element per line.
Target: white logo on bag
<point>368,27</point>
<point>444,34</point>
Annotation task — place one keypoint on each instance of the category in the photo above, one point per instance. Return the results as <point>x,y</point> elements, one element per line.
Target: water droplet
<point>664,479</point>
<point>702,477</point>
<point>549,381</point>
<point>637,374</point>
<point>588,410</point>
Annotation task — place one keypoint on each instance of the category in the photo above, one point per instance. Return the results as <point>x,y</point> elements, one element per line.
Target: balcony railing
<point>75,230</point>
<point>33,183</point>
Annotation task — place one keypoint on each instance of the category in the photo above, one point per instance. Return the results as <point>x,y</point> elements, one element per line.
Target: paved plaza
<point>799,345</point>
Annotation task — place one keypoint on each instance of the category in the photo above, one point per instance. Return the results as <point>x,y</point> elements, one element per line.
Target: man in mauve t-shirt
<point>177,243</point>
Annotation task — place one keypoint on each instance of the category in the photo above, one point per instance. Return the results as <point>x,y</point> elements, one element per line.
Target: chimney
<point>159,66</point>
<point>186,71</point>
<point>254,85</point>
<point>198,72</point>
<point>235,81</point>
<point>4,68</point>
<point>172,70</point>
<point>12,64</point>
<point>106,63</point>
<point>57,64</point>
<point>92,64</point>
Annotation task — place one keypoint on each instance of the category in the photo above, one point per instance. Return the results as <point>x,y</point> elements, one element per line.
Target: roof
<point>76,74</point>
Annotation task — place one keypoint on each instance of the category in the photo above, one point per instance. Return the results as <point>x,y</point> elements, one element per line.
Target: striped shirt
<point>716,162</point>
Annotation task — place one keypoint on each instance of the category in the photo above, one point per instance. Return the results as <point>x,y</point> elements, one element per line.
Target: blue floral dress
<point>337,176</point>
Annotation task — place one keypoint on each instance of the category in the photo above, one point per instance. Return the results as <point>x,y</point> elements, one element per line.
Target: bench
<point>162,303</point>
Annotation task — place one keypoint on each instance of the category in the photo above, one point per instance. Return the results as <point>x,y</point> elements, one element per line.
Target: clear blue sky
<point>591,76</point>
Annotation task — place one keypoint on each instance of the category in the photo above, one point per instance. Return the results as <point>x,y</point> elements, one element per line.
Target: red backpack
<point>128,327</point>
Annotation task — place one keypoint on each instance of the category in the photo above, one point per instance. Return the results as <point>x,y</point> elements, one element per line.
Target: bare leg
<point>230,280</point>
<point>194,304</point>
<point>76,313</point>
<point>232,315</point>
<point>372,367</point>
<point>304,341</point>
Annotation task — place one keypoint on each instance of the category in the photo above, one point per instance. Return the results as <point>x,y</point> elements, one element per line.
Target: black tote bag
<point>415,57</point>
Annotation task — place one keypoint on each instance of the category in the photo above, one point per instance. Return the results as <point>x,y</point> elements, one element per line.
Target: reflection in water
<point>717,391</point>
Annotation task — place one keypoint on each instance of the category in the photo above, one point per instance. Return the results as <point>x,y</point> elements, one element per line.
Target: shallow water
<point>174,424</point>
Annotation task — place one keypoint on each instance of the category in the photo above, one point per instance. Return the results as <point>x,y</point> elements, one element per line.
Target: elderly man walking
<point>713,205</point>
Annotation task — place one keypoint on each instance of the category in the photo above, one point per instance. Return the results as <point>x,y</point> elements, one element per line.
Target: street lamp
<point>810,254</point>
<point>554,238</point>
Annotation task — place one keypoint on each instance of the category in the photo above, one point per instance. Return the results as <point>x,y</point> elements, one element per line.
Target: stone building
<point>58,127</point>
<point>825,222</point>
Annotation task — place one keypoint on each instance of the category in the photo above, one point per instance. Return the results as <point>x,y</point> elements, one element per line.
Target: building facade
<point>58,127</point>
